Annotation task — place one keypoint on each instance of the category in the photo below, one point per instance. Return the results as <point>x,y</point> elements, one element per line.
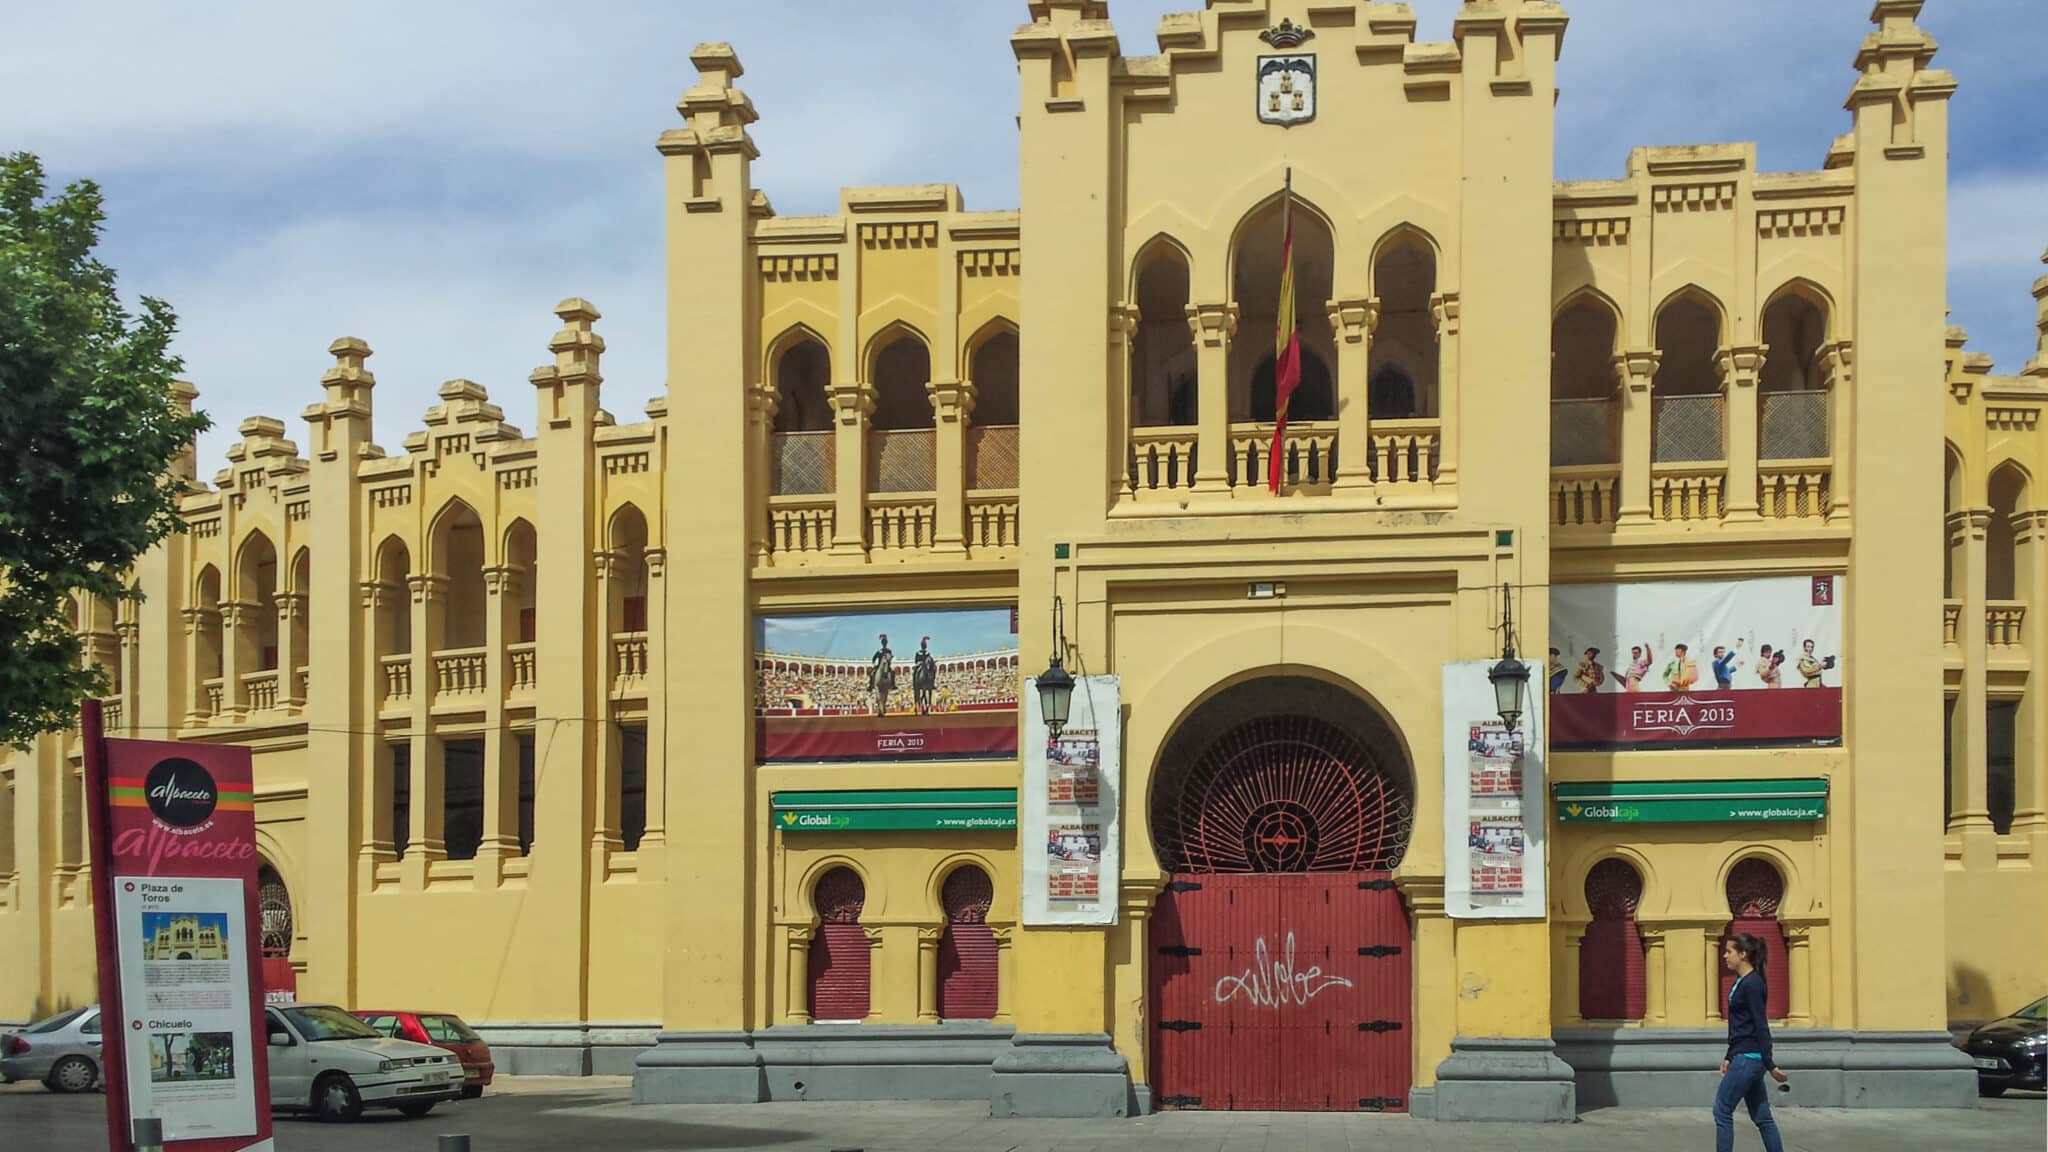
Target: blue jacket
<point>1749,1029</point>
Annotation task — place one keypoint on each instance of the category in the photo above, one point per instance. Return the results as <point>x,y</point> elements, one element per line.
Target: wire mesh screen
<point>902,460</point>
<point>992,457</point>
<point>802,463</point>
<point>1283,794</point>
<point>1584,432</point>
<point>1687,428</point>
<point>1795,426</point>
<point>274,905</point>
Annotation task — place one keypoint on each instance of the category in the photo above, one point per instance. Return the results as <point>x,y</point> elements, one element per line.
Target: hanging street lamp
<point>1055,686</point>
<point>1510,676</point>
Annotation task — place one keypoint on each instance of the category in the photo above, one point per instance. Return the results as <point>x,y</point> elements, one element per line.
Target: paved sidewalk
<point>2006,1125</point>
<point>534,1115</point>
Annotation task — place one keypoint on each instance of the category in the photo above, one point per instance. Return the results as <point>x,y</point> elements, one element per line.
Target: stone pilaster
<point>1353,320</point>
<point>1739,368</point>
<point>1638,370</point>
<point>953,413</point>
<point>1214,326</point>
<point>852,406</point>
<point>1445,309</point>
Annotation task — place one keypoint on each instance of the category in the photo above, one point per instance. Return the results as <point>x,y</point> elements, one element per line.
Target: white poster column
<point>1069,834</point>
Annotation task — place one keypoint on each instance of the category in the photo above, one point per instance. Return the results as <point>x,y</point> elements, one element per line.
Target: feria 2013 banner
<point>1696,663</point>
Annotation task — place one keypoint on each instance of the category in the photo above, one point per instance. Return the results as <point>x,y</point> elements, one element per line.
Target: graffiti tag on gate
<point>1271,983</point>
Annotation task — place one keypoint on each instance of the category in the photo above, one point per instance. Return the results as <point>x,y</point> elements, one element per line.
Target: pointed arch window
<point>1255,289</point>
<point>902,446</point>
<point>1164,391</point>
<point>1403,368</point>
<point>802,460</point>
<point>993,431</point>
<point>1585,408</point>
<point>1792,401</point>
<point>1688,414</point>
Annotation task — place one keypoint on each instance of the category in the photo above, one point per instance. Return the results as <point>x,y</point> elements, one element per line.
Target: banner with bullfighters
<point>915,684</point>
<point>1696,663</point>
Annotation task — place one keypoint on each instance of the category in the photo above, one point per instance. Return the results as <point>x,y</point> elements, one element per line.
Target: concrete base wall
<point>1508,1081</point>
<point>1019,1075</point>
<point>1676,1068</point>
<point>880,1061</point>
<point>1078,1075</point>
<point>547,1049</point>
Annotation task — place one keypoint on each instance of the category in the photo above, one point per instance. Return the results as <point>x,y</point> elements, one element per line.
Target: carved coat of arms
<point>1287,79</point>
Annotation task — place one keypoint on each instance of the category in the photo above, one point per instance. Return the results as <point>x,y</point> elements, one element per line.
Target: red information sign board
<point>174,911</point>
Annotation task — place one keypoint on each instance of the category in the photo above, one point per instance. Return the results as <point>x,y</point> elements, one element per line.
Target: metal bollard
<point>147,1134</point>
<point>453,1144</point>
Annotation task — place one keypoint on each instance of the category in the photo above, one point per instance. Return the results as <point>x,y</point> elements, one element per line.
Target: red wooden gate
<point>1279,991</point>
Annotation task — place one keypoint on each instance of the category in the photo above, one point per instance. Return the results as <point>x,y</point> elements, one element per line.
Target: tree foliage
<point>89,427</point>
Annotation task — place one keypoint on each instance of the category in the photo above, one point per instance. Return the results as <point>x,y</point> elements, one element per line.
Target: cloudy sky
<point>433,177</point>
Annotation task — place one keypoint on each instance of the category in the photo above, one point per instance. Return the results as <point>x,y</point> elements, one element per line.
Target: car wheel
<point>416,1109</point>
<point>1989,1090</point>
<point>472,1091</point>
<point>73,1074</point>
<point>335,1099</point>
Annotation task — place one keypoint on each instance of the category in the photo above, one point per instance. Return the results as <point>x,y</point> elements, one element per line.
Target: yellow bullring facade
<point>705,743</point>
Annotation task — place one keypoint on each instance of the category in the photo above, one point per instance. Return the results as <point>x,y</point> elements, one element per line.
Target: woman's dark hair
<point>1751,949</point>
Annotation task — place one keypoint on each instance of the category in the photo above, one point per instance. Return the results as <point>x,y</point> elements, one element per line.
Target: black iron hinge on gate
<point>1178,950</point>
<point>1379,1026</point>
<point>1184,886</point>
<point>1179,1101</point>
<point>1381,951</point>
<point>1379,1103</point>
<point>1180,1025</point>
<point>1376,885</point>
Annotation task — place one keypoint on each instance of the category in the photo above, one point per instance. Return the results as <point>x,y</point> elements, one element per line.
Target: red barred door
<point>1280,952</point>
<point>1281,991</point>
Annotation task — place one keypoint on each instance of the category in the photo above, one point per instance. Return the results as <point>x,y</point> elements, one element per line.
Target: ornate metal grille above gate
<point>274,907</point>
<point>1283,794</point>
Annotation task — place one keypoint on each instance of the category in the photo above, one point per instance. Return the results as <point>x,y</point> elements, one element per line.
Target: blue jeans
<point>1744,1083</point>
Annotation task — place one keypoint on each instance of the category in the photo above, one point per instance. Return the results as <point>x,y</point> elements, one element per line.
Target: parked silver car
<point>62,1051</point>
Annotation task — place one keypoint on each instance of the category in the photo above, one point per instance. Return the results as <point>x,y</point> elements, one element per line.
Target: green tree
<point>88,430</point>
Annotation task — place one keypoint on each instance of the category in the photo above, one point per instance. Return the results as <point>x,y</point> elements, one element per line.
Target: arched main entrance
<point>1280,950</point>
<point>274,907</point>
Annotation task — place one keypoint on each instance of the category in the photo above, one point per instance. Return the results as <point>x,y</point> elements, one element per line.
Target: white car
<point>328,1062</point>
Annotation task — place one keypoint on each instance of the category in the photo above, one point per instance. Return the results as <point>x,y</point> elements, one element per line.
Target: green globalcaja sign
<point>1691,801</point>
<point>897,810</point>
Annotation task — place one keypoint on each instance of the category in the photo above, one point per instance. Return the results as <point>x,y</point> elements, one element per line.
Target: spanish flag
<point>1286,341</point>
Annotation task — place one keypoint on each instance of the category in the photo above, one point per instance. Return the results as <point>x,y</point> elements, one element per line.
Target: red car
<point>442,1030</point>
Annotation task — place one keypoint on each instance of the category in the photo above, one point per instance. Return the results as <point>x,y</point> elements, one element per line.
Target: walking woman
<point>1749,1048</point>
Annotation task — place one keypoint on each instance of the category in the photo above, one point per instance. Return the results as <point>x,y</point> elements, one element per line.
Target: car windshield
<point>320,1022</point>
<point>2038,1010</point>
<point>56,1023</point>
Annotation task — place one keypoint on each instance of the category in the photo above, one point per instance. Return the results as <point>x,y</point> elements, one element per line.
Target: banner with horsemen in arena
<point>912,684</point>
